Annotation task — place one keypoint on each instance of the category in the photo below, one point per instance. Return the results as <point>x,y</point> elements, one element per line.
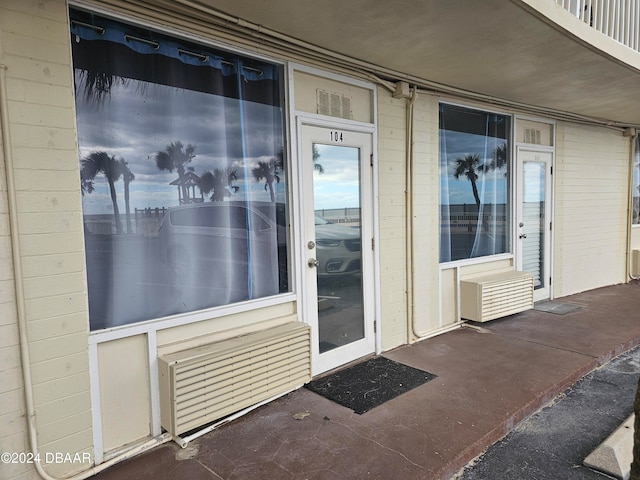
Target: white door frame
<point>546,154</point>
<point>307,288</point>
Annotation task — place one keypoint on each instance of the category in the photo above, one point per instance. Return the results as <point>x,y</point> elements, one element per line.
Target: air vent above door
<point>333,104</point>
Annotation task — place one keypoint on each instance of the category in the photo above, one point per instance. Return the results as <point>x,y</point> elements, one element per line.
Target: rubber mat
<point>369,384</point>
<point>557,308</point>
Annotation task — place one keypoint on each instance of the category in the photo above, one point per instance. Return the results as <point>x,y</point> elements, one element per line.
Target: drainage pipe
<point>410,245</point>
<point>409,192</point>
<point>21,309</point>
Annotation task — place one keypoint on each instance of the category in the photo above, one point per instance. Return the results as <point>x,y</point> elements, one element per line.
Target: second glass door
<point>534,218</point>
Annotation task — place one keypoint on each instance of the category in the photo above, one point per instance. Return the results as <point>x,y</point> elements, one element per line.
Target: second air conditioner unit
<point>495,296</point>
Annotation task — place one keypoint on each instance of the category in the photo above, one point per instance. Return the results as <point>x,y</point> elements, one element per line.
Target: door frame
<point>547,292</point>
<point>307,307</point>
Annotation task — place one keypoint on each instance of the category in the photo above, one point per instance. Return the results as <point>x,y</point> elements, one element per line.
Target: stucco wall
<point>590,218</point>
<point>34,40</point>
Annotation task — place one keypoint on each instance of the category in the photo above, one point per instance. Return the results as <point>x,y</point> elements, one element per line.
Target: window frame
<point>152,326</point>
<point>510,196</point>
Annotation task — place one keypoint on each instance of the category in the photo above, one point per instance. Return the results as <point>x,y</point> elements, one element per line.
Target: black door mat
<point>557,308</point>
<point>369,384</point>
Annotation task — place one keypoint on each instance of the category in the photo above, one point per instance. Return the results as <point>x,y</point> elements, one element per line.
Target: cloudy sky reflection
<point>139,119</point>
<point>492,184</point>
<point>339,185</point>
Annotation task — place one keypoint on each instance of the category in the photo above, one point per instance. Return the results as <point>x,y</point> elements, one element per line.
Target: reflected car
<point>225,246</point>
<point>337,248</point>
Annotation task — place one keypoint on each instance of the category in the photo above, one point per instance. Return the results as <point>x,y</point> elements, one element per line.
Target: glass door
<point>337,244</point>
<point>534,218</point>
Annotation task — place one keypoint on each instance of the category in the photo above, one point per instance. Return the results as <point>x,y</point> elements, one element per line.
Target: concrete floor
<point>487,384</point>
<point>553,443</point>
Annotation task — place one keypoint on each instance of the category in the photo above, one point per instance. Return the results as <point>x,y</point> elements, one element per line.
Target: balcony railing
<point>618,19</point>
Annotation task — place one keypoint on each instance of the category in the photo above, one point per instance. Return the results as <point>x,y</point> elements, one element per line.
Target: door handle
<point>523,235</point>
<point>313,263</point>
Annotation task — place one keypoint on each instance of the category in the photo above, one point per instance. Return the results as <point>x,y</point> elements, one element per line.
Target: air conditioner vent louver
<point>495,296</point>
<point>333,104</point>
<point>204,384</point>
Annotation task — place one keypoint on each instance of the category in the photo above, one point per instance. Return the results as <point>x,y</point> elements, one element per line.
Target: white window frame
<point>510,255</point>
<point>150,328</point>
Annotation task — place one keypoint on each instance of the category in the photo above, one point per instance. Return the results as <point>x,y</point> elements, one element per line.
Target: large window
<point>182,173</point>
<point>474,183</point>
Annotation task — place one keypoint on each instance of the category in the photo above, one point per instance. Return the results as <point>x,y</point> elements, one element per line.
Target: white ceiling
<point>493,47</point>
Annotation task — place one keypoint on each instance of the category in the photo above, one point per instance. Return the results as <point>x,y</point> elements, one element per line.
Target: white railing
<point>618,19</point>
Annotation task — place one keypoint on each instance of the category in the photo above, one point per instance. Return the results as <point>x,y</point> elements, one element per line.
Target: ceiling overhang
<point>495,48</point>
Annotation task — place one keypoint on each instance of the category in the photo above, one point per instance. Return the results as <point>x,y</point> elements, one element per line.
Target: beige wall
<point>34,39</point>
<point>590,218</point>
<point>426,219</point>
<point>391,207</point>
<point>12,423</point>
<point>589,231</point>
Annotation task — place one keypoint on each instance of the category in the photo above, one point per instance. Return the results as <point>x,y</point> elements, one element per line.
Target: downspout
<point>25,358</point>
<point>410,271</point>
<point>409,221</point>
<point>633,134</point>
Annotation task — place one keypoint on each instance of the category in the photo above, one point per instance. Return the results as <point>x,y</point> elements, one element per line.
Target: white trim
<point>96,406</point>
<point>139,328</point>
<point>476,260</point>
<point>545,149</point>
<point>370,342</point>
<point>323,121</point>
<point>302,118</point>
<point>510,194</point>
<point>295,210</point>
<point>154,383</point>
<point>547,275</point>
<point>536,148</point>
<point>375,227</point>
<point>471,105</point>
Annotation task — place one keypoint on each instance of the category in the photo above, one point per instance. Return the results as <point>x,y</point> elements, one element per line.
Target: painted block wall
<point>590,221</point>
<point>34,44</point>
<point>426,219</point>
<point>391,207</point>
<point>12,423</point>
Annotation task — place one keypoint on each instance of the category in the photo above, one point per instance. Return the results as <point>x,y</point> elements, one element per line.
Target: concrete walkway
<point>553,443</point>
<point>488,382</point>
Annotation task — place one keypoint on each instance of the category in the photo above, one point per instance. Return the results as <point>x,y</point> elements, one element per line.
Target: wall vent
<point>532,135</point>
<point>333,104</point>
<point>204,384</point>
<point>495,296</point>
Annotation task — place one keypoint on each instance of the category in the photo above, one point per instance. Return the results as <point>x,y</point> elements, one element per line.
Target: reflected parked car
<point>230,247</point>
<point>337,248</point>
